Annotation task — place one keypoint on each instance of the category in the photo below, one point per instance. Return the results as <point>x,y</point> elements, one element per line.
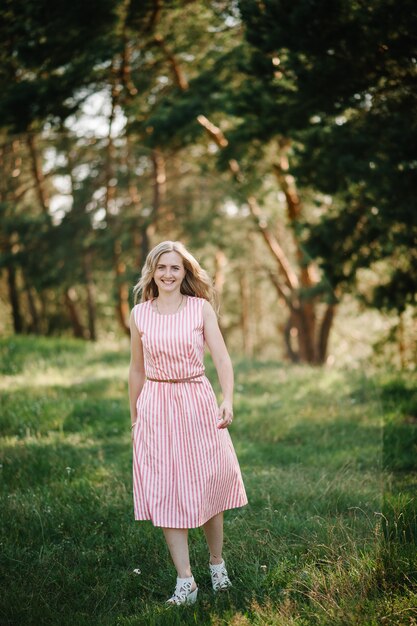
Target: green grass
<point>328,459</point>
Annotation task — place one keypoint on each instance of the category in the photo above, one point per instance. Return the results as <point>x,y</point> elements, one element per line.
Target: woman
<point>185,470</point>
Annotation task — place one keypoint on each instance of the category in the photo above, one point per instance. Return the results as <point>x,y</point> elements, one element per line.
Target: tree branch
<point>179,75</point>
<point>290,276</point>
<point>214,131</point>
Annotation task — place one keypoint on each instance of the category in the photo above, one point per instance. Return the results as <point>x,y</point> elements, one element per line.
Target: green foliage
<point>50,52</point>
<point>339,79</point>
<point>335,80</point>
<point>322,541</point>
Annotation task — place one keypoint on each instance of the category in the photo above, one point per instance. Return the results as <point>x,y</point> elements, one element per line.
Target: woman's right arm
<point>136,367</point>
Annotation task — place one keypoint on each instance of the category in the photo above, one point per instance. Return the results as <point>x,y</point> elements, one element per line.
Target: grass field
<point>328,459</point>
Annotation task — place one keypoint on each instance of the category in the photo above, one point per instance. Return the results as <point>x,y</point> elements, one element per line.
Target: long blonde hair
<point>196,281</point>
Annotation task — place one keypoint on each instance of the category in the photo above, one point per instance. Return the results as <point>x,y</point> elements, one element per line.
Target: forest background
<point>277,140</point>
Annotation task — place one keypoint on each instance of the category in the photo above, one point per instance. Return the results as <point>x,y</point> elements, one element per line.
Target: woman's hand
<point>225,414</point>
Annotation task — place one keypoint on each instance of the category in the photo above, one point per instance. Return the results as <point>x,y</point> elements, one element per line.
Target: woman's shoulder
<point>137,308</point>
<point>141,305</point>
<point>202,307</point>
<point>140,309</point>
<point>197,301</point>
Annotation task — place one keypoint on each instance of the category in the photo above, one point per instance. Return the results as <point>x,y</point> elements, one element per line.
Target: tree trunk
<point>303,320</point>
<point>34,325</point>
<point>144,245</point>
<point>91,296</point>
<point>71,300</point>
<point>162,217</point>
<point>37,173</point>
<point>119,268</point>
<point>139,235</point>
<point>245,313</point>
<point>400,340</point>
<point>324,334</point>
<point>219,264</point>
<point>306,309</point>
<point>6,244</point>
<point>122,304</point>
<point>290,331</point>
<point>14,299</point>
<point>302,326</point>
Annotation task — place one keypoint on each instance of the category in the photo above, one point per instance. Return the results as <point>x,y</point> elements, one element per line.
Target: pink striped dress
<point>185,469</point>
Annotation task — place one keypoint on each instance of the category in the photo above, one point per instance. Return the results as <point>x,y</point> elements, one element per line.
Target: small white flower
<point>137,571</point>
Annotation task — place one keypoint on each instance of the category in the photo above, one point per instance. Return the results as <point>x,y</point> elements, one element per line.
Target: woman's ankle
<point>215,560</point>
<point>190,578</point>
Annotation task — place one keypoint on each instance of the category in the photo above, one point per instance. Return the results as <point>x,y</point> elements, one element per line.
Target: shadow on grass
<point>55,462</point>
<point>18,353</point>
<point>96,407</point>
<point>332,445</point>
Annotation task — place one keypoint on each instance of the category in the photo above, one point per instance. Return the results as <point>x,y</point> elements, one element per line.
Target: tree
<point>215,91</point>
<point>340,79</point>
<point>304,165</point>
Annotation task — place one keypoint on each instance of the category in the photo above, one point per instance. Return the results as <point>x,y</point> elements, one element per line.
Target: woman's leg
<point>177,541</point>
<point>213,530</point>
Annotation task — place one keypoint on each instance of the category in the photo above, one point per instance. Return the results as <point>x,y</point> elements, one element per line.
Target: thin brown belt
<point>175,380</point>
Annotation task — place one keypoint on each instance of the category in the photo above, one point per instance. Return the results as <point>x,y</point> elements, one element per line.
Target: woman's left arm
<point>222,363</point>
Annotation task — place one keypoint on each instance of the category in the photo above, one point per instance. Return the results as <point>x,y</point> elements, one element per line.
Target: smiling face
<point>169,272</point>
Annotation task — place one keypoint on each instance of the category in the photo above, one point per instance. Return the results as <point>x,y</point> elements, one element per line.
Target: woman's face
<point>169,272</point>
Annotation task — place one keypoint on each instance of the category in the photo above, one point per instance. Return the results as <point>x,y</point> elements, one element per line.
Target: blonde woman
<point>185,469</point>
